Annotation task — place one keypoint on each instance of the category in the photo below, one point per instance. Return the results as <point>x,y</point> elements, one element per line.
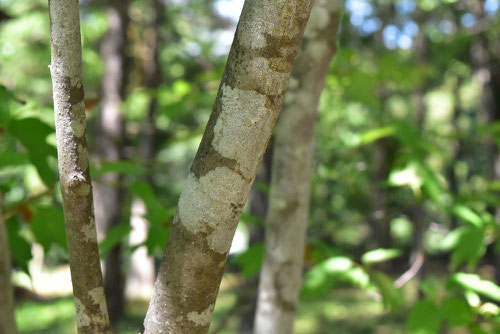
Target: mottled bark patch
<point>281,275</point>
<point>212,204</point>
<point>191,262</point>
<point>208,158</point>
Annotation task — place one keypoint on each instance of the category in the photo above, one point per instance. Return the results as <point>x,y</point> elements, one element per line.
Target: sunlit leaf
<point>324,275</point>
<point>475,283</point>
<point>380,255</point>
<point>467,215</point>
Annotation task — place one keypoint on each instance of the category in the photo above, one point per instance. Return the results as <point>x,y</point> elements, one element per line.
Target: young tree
<point>110,139</point>
<point>280,278</point>
<point>7,319</point>
<point>76,188</point>
<point>249,100</point>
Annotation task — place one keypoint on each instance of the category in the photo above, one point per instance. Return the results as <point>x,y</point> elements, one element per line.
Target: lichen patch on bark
<point>207,205</point>
<point>203,318</point>
<point>242,127</point>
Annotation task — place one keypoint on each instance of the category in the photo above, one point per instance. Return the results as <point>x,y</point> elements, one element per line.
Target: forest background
<point>403,229</point>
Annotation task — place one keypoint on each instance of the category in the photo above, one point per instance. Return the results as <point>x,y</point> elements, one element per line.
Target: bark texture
<point>280,278</point>
<point>109,190</point>
<point>76,188</point>
<point>249,100</point>
<point>7,319</point>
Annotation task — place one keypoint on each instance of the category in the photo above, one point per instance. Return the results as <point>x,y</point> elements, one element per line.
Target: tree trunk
<point>7,319</point>
<point>76,188</point>
<point>379,220</point>
<point>259,204</point>
<point>248,103</point>
<point>142,266</point>
<point>109,190</point>
<point>280,278</point>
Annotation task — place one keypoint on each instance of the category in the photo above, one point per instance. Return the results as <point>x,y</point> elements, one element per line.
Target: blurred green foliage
<point>402,152</point>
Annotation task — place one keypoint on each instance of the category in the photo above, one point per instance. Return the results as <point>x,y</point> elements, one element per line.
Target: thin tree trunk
<point>76,187</point>
<point>379,220</point>
<point>7,319</point>
<point>259,205</point>
<point>281,274</point>
<point>249,100</point>
<point>109,190</point>
<point>142,266</point>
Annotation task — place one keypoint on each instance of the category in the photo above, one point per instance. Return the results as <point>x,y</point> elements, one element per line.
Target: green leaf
<point>20,248</point>
<point>475,283</point>
<point>376,134</point>
<point>457,312</point>
<point>467,215</point>
<point>48,227</point>
<point>380,255</point>
<point>470,248</point>
<point>391,296</point>
<point>424,318</point>
<point>113,238</point>
<point>452,239</point>
<point>250,261</point>
<point>32,133</point>
<point>156,212</point>
<point>324,275</point>
<point>157,215</point>
<point>5,111</point>
<point>12,158</point>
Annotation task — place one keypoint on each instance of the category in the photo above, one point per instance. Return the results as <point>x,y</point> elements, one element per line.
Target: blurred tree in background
<point>403,226</point>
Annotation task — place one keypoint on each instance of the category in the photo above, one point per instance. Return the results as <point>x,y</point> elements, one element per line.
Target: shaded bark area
<point>109,190</point>
<point>280,278</point>
<point>76,187</point>
<point>7,319</point>
<point>259,205</point>
<point>248,103</point>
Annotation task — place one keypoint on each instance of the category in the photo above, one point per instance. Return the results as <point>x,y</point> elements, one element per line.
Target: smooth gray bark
<point>76,188</point>
<point>280,277</point>
<point>248,103</point>
<point>7,319</point>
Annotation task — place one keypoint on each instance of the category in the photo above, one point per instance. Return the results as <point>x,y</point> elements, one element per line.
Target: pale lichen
<point>242,128</point>
<point>208,204</point>
<point>201,318</point>
<point>98,298</point>
<point>82,318</point>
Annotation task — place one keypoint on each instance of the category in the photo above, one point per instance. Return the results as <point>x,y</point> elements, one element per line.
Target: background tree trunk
<point>7,319</point>
<point>109,190</point>
<point>142,267</point>
<point>259,204</point>
<point>280,278</point>
<point>248,103</point>
<point>66,69</point>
